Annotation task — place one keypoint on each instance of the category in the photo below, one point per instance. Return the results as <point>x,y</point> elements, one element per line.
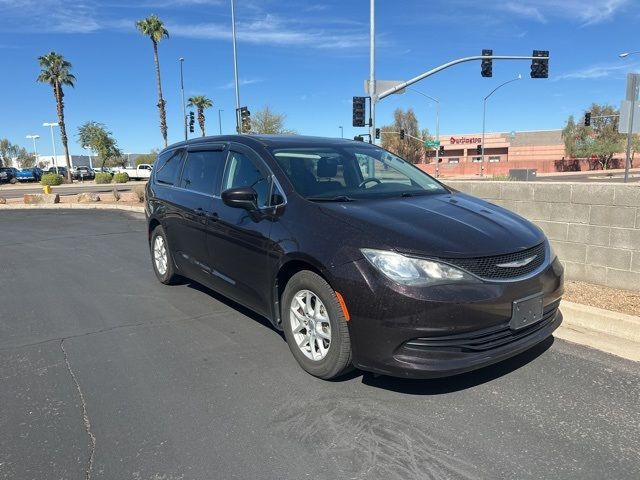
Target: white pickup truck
<point>141,172</point>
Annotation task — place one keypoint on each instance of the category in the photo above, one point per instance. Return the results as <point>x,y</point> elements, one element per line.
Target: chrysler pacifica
<point>362,259</point>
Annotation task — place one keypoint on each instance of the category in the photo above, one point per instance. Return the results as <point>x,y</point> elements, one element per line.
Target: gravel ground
<point>623,301</point>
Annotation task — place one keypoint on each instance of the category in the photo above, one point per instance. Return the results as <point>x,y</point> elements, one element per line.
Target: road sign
<point>623,124</point>
<point>384,85</point>
<point>432,143</point>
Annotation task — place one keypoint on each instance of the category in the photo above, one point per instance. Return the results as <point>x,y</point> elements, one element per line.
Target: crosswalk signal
<point>245,120</point>
<point>192,122</point>
<point>540,68</point>
<point>359,111</point>
<point>487,64</point>
<point>441,152</point>
<point>587,119</point>
<point>402,134</point>
<point>479,149</point>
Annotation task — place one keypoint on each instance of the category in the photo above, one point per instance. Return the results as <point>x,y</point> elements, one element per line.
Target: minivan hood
<point>443,225</point>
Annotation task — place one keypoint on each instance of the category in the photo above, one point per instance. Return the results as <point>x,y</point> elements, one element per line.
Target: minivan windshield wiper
<point>416,193</point>
<point>338,198</point>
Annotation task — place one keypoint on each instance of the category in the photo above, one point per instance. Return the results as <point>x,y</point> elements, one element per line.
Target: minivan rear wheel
<point>161,257</point>
<point>315,327</point>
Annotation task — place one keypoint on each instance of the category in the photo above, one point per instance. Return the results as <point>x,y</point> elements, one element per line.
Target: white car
<point>141,172</point>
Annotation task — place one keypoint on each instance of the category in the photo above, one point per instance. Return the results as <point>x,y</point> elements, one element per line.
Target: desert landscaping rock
<point>36,198</point>
<point>88,197</point>
<point>129,197</point>
<point>3,201</point>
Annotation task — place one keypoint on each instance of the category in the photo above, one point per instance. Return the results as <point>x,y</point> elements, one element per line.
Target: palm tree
<point>56,71</point>
<point>200,102</point>
<point>153,28</point>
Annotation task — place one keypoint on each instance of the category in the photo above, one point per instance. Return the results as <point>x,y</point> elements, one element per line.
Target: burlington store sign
<point>463,140</point>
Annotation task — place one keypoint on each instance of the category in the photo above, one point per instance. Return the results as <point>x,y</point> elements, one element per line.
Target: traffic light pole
<point>235,65</point>
<point>372,69</point>
<point>437,125</point>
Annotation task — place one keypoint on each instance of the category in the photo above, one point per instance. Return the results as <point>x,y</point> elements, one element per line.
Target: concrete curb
<point>73,206</point>
<point>611,332</point>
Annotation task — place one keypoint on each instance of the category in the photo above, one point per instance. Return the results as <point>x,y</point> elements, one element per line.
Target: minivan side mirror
<point>241,197</point>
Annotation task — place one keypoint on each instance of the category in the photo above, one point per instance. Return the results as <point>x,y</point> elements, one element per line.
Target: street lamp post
<point>184,107</point>
<point>53,142</point>
<point>341,131</point>
<point>35,150</point>
<point>88,149</point>
<point>235,65</point>
<point>484,117</point>
<point>633,97</point>
<point>220,121</point>
<point>437,125</point>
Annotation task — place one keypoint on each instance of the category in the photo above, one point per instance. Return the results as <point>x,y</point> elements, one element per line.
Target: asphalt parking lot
<point>106,373</point>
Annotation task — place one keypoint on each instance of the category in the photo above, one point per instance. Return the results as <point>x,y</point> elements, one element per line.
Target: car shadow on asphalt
<point>439,386</point>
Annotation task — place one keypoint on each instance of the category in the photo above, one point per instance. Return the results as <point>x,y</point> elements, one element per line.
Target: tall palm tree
<point>56,71</point>
<point>200,102</point>
<point>153,28</point>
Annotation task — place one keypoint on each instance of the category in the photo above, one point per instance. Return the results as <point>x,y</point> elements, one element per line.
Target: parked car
<point>141,172</point>
<point>59,170</point>
<point>8,175</point>
<point>360,257</point>
<point>29,174</point>
<point>83,172</point>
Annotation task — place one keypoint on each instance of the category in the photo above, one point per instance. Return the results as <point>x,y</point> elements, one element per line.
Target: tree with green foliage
<point>410,149</point>
<point>600,141</point>
<point>268,122</point>
<point>148,158</point>
<point>7,152</point>
<point>100,140</point>
<point>200,102</point>
<point>25,159</point>
<point>56,71</point>
<point>154,28</point>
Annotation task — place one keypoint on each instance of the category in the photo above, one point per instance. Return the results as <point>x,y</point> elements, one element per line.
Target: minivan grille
<point>488,267</point>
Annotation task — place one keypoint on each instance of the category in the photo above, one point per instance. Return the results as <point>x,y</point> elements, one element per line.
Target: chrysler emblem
<point>517,263</point>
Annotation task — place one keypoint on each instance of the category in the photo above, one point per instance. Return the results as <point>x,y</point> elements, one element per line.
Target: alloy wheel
<point>310,325</point>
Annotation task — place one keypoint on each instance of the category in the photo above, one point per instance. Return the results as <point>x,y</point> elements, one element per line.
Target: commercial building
<point>541,150</point>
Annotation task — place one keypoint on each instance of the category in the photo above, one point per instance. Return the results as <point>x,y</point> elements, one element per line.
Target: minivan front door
<point>239,243</point>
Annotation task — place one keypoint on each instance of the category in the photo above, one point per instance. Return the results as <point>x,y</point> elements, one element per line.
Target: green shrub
<point>103,177</point>
<point>121,177</point>
<point>52,179</point>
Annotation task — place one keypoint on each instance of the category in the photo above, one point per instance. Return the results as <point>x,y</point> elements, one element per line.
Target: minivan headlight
<point>414,271</point>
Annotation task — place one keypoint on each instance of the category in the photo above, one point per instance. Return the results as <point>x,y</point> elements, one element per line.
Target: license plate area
<point>526,311</point>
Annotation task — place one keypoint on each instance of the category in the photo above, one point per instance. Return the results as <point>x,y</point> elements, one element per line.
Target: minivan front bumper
<point>429,332</point>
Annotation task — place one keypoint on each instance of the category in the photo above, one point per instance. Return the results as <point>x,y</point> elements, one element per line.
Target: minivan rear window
<point>202,171</point>
<point>168,167</point>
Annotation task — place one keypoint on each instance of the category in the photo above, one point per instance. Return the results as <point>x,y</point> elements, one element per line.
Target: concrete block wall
<point>594,227</point>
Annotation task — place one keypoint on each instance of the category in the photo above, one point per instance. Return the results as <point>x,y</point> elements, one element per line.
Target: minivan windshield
<point>351,172</point>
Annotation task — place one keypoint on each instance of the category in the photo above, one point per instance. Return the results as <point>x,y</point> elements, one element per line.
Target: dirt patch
<point>623,301</point>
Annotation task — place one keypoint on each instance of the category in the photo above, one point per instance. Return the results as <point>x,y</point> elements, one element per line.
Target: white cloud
<point>73,16</point>
<point>528,11</point>
<point>243,81</point>
<point>596,72</point>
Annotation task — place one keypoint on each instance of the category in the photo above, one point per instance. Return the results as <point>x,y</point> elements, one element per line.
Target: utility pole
<point>184,107</point>
<point>341,131</point>
<point>35,150</point>
<point>53,141</point>
<point>220,121</point>
<point>372,70</point>
<point>235,65</point>
<point>437,102</point>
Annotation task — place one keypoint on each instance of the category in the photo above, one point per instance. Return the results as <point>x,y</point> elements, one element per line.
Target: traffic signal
<point>359,111</point>
<point>487,64</point>
<point>441,152</point>
<point>402,134</point>
<point>192,122</point>
<point>540,68</point>
<point>479,149</point>
<point>358,138</point>
<point>377,133</point>
<point>245,120</point>
<point>587,119</point>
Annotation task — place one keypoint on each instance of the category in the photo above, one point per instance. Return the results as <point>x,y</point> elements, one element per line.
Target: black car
<point>360,257</point>
<point>8,175</point>
<point>84,173</point>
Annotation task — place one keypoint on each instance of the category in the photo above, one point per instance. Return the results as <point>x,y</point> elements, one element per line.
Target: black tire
<point>169,277</point>
<point>337,361</point>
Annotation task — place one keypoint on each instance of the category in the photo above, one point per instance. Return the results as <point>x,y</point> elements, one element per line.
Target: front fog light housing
<point>414,271</point>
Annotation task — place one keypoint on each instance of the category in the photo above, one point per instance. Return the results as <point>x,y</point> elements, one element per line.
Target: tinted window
<point>202,170</point>
<point>242,172</point>
<point>168,167</point>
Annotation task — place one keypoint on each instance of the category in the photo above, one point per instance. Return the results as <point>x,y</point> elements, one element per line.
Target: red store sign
<point>463,140</point>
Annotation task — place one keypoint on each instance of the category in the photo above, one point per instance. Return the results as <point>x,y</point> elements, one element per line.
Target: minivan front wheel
<point>315,327</point>
<point>161,257</point>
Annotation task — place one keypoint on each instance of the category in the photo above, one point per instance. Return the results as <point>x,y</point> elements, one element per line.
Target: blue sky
<point>307,59</point>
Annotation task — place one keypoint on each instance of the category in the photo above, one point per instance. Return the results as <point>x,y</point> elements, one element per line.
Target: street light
<point>626,54</point>
<point>35,150</point>
<point>53,142</point>
<point>88,148</point>
<point>235,65</point>
<point>184,107</point>
<point>437,125</point>
<point>220,121</point>
<point>484,117</point>
<point>341,131</point>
